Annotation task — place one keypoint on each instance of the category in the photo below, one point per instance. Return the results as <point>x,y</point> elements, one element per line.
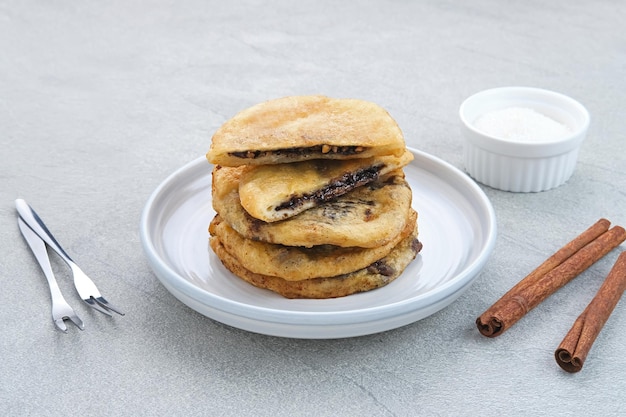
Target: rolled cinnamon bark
<point>556,271</point>
<point>571,353</point>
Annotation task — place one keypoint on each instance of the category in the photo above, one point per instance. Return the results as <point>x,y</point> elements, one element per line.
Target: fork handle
<point>39,250</point>
<point>37,225</point>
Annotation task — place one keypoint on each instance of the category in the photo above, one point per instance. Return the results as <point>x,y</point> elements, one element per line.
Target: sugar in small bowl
<point>522,139</point>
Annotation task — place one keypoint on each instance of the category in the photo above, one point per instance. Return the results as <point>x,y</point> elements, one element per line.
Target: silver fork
<point>84,285</point>
<point>61,310</point>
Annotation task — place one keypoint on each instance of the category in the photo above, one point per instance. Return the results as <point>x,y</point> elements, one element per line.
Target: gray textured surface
<point>100,101</point>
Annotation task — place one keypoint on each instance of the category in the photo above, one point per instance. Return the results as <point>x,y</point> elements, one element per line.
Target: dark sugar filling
<point>299,151</point>
<point>382,268</point>
<point>340,186</point>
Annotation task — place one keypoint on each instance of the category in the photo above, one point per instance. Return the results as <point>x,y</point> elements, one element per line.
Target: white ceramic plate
<point>457,227</point>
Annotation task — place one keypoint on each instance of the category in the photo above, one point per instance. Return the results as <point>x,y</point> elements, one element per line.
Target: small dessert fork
<point>84,285</point>
<point>60,308</point>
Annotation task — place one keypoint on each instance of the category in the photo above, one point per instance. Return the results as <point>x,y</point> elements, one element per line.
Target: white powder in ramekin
<point>521,124</point>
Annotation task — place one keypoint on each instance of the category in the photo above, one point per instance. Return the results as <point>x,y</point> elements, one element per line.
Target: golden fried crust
<point>313,125</point>
<point>294,263</point>
<point>376,275</point>
<point>277,192</point>
<point>368,216</point>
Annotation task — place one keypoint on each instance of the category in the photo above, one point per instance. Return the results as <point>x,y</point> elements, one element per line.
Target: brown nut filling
<point>318,149</point>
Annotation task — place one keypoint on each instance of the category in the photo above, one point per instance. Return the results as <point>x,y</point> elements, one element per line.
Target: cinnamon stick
<point>571,353</point>
<point>556,271</point>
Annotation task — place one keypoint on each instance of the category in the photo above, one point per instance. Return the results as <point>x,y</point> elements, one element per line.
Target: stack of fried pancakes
<point>311,198</point>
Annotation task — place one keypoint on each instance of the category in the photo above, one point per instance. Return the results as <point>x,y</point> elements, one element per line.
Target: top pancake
<point>300,128</point>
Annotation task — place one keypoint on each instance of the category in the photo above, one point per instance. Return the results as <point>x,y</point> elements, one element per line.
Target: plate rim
<point>352,316</point>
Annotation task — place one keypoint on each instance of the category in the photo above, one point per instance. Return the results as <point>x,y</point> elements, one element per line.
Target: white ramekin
<point>522,166</point>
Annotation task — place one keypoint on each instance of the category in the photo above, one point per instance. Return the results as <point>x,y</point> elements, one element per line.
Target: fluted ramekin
<point>520,165</point>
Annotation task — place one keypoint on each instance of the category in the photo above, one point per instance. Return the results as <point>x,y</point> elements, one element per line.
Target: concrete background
<point>100,101</point>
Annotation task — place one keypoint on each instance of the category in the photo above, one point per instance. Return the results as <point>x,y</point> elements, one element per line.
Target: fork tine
<point>96,306</point>
<point>104,303</point>
<point>89,292</point>
<point>77,321</point>
<point>60,325</point>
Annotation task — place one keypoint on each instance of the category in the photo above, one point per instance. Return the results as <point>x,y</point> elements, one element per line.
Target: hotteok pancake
<point>368,216</point>
<point>276,192</point>
<point>300,128</point>
<point>376,275</point>
<point>294,263</point>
